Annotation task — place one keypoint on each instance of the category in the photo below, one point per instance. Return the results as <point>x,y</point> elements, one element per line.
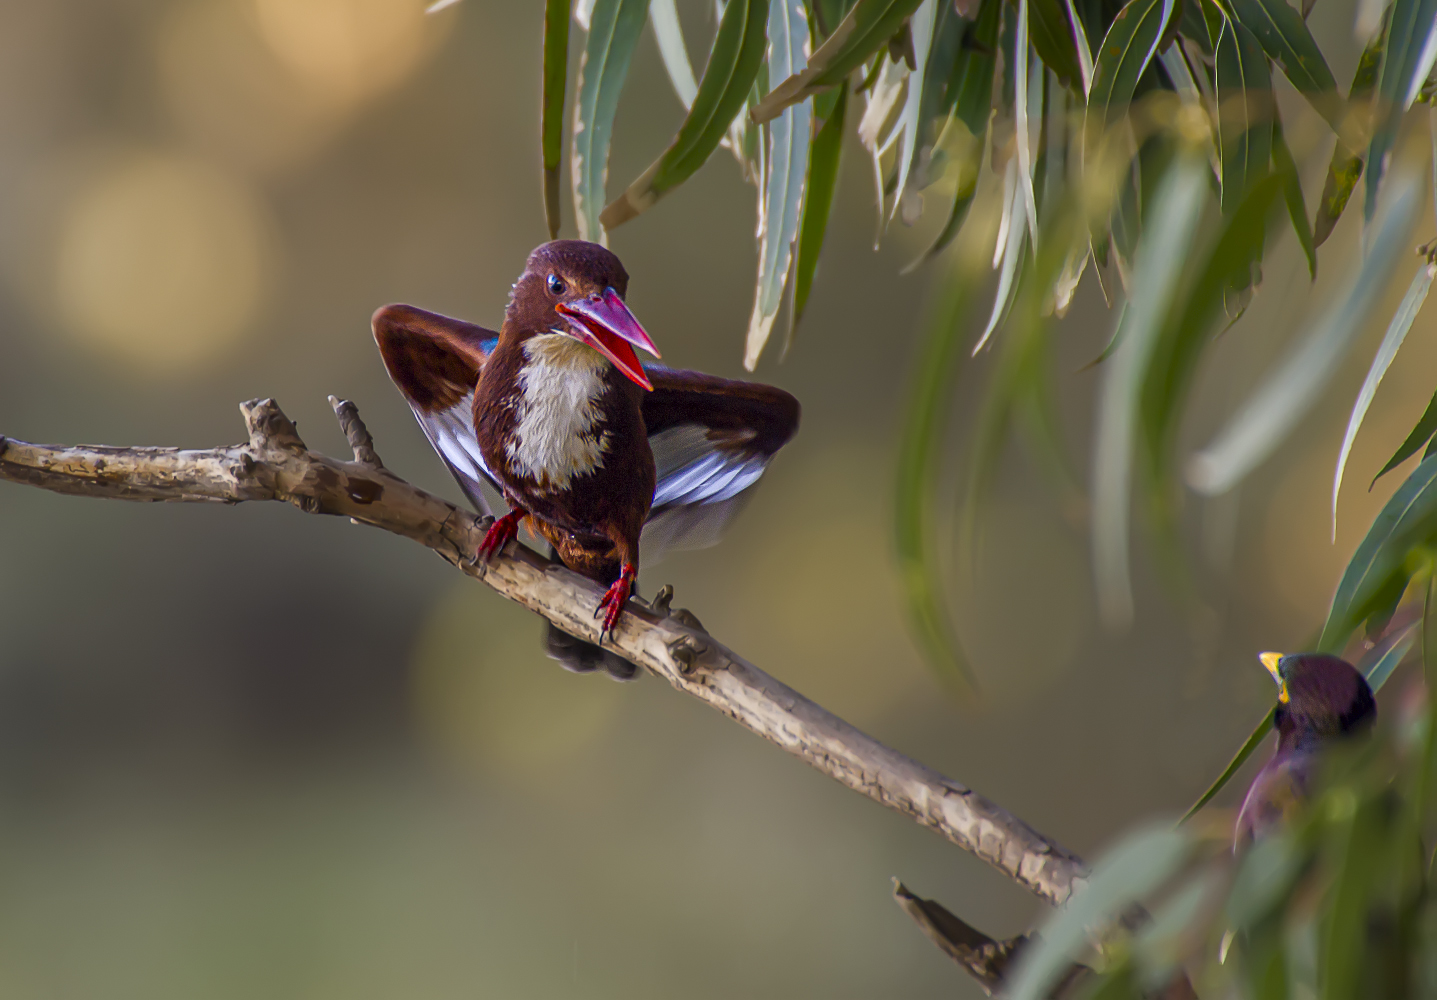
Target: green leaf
<point>1245,112</point>
<point>1136,866</point>
<point>1027,107</point>
<point>969,165</point>
<point>1358,865</point>
<point>866,29</point>
<point>1052,36</point>
<point>551,126</point>
<point>935,105</point>
<point>789,136</point>
<point>613,32</point>
<point>1191,325</point>
<point>1283,35</point>
<point>921,26</point>
<point>1286,168</point>
<point>1391,343</point>
<point>733,65</point>
<point>1379,566</point>
<point>1122,58</point>
<point>1346,165</point>
<point>1012,241</point>
<point>1421,434</point>
<point>823,163</point>
<point>972,84</point>
<point>1410,51</point>
<point>1275,408</point>
<point>1161,256</point>
<point>1233,766</point>
<point>919,552</point>
<point>665,18</point>
<point>1264,878</point>
<point>1377,666</point>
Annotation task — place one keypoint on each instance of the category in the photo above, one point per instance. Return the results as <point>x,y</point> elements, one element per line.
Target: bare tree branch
<point>276,465</point>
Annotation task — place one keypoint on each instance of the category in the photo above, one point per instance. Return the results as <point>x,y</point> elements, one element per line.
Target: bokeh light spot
<point>161,260</point>
<point>350,49</point>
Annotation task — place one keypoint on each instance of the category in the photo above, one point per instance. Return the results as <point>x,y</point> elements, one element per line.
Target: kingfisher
<point>590,449</point>
<point>1321,699</point>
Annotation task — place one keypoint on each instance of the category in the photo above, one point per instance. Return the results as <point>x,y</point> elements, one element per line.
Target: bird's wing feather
<point>435,361</point>
<point>712,438</point>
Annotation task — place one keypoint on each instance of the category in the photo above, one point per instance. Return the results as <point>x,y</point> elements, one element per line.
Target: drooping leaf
<point>1274,409</point>
<point>1239,759</point>
<point>972,84</point>
<point>1245,112</point>
<point>1391,343</point>
<point>733,65</point>
<point>1012,241</point>
<point>1283,35</point>
<point>968,162</point>
<point>935,377</point>
<point>1136,866</point>
<point>1411,48</point>
<point>1083,48</point>
<point>1286,168</point>
<point>1191,325</point>
<point>1052,36</point>
<point>1161,256</point>
<point>614,29</point>
<point>824,159</point>
<point>1346,166</point>
<point>1027,105</point>
<point>1421,434</point>
<point>789,136</point>
<point>935,106</point>
<point>1122,58</point>
<point>664,17</point>
<point>1379,566</point>
<point>1389,654</point>
<point>1361,857</point>
<point>866,29</point>
<point>921,26</point>
<point>551,126</point>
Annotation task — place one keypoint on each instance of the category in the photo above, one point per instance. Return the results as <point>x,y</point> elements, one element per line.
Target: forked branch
<point>275,464</point>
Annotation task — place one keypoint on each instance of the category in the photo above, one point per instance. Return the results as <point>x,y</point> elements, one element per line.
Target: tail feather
<point>584,657</point>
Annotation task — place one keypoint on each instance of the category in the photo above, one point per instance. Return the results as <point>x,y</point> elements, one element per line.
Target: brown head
<point>1320,698</point>
<point>577,288</point>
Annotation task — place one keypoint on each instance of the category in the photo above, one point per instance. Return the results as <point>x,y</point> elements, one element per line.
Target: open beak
<point>604,323</point>
<point>1272,661</point>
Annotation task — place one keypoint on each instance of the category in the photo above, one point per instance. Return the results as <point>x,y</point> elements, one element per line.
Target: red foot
<point>611,605</point>
<point>500,532</point>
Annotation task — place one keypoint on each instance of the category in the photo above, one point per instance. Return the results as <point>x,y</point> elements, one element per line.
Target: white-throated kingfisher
<point>590,448</point>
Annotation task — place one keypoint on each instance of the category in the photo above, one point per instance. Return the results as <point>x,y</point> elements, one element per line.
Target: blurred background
<point>249,753</point>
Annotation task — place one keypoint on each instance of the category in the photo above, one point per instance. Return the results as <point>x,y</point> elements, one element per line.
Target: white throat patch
<point>555,438</point>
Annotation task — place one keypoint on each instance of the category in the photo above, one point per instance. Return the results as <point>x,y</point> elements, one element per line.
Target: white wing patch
<point>451,433</point>
<point>558,410</point>
<point>701,482</point>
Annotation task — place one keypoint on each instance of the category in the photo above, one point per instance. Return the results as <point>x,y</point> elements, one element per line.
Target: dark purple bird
<point>592,450</point>
<point>1321,699</point>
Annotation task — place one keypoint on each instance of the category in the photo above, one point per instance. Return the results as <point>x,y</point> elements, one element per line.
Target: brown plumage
<point>589,448</point>
<point>1321,699</point>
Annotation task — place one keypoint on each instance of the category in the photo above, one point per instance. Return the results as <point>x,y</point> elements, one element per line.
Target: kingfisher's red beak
<point>604,323</point>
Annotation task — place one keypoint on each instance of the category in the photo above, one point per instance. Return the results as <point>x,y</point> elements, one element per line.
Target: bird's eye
<point>556,285</point>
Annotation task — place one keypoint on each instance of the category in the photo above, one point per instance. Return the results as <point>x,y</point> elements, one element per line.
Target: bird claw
<point>611,605</point>
<point>500,534</point>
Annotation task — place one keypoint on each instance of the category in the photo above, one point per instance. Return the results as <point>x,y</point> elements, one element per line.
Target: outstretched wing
<point>435,361</point>
<point>712,438</point>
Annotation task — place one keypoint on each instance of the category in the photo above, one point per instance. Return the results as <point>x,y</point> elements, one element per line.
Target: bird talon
<point>500,533</point>
<point>611,605</point>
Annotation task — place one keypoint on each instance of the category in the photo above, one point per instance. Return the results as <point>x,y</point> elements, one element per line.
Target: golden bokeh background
<point>249,753</point>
